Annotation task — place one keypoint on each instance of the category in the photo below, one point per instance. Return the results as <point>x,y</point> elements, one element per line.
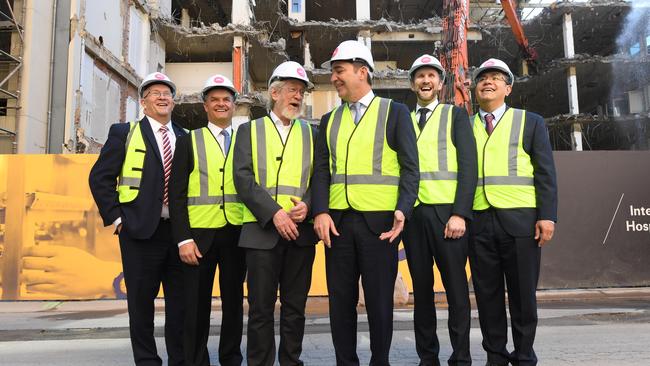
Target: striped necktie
<point>167,161</point>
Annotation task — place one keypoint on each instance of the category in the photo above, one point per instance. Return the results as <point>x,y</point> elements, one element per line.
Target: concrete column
<point>572,82</point>
<point>241,12</point>
<point>363,9</point>
<point>296,10</point>
<point>35,77</point>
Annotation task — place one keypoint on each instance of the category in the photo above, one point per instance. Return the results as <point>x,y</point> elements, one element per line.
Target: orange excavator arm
<point>529,53</point>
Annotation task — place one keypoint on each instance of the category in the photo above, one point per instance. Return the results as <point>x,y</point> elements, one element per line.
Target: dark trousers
<point>198,292</point>
<point>147,264</point>
<point>494,254</point>
<point>424,241</point>
<point>359,252</point>
<point>287,266</point>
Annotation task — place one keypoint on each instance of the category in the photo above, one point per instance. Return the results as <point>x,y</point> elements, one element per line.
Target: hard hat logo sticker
<point>425,59</point>
<point>300,71</point>
<point>160,76</point>
<point>336,50</point>
<point>489,63</point>
<point>218,79</point>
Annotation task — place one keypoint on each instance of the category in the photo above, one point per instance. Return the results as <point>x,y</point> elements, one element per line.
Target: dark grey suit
<point>272,261</point>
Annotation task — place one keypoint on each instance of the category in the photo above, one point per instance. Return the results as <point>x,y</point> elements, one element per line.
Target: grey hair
<point>275,85</point>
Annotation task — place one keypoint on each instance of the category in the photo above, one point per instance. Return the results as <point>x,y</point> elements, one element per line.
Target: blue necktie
<point>226,141</point>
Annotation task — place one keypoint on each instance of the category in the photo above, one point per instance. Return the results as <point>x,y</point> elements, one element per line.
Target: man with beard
<point>365,185</point>
<point>206,222</point>
<point>515,209</point>
<point>130,184</point>
<point>273,165</point>
<point>447,155</point>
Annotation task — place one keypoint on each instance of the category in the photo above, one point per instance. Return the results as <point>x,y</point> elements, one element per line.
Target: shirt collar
<point>216,130</point>
<point>431,106</point>
<point>366,99</point>
<point>497,113</point>
<point>277,120</point>
<point>155,124</point>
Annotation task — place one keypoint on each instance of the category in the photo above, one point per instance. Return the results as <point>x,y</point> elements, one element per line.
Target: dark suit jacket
<point>520,222</point>
<point>401,138</point>
<point>462,137</point>
<point>261,234</point>
<point>140,217</point>
<point>181,168</point>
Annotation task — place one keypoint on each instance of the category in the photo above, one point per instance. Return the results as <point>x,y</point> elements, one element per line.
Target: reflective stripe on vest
<point>505,175</point>
<point>437,156</point>
<point>212,200</point>
<point>364,169</point>
<point>283,170</point>
<point>129,181</point>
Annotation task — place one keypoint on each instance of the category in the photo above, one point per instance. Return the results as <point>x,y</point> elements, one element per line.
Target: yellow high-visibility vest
<point>283,170</point>
<point>437,156</point>
<point>212,200</point>
<point>131,176</point>
<point>505,170</point>
<point>364,169</point>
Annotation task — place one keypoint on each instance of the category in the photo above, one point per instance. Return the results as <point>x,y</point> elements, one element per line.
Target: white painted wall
<point>100,97</point>
<point>156,59</point>
<point>35,77</point>
<point>103,19</point>
<point>139,34</point>
<point>189,77</point>
<point>636,100</point>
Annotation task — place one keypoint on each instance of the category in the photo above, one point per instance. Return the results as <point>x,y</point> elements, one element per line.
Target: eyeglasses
<point>493,78</point>
<point>293,90</point>
<point>157,94</point>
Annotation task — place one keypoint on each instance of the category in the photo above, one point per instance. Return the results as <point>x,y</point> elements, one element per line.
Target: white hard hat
<point>218,81</point>
<point>351,51</point>
<point>494,64</point>
<point>156,78</point>
<point>290,70</point>
<point>427,60</point>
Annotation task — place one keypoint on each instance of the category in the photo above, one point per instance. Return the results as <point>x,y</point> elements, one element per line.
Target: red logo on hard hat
<point>336,50</point>
<point>160,76</point>
<point>425,59</point>
<point>218,80</point>
<point>489,63</point>
<point>301,71</point>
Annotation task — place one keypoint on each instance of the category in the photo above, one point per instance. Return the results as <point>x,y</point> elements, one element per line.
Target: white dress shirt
<point>497,113</point>
<point>431,107</point>
<point>284,130</point>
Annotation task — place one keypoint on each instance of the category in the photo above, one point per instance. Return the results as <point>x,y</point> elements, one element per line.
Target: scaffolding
<point>11,50</point>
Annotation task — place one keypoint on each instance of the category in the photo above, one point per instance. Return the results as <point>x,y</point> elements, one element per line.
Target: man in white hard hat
<point>365,185</point>
<point>130,184</point>
<point>273,164</point>
<point>206,221</point>
<point>437,229</point>
<point>515,209</point>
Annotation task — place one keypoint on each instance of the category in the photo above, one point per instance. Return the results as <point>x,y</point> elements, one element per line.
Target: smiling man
<point>130,184</point>
<point>515,209</point>
<point>365,186</point>
<point>273,165</point>
<point>206,221</point>
<point>437,230</point>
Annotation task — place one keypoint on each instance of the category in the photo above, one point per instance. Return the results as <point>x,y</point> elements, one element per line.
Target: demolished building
<point>590,82</point>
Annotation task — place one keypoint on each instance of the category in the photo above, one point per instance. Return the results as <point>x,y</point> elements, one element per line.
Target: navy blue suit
<point>149,255</point>
<point>358,250</point>
<point>502,245</point>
